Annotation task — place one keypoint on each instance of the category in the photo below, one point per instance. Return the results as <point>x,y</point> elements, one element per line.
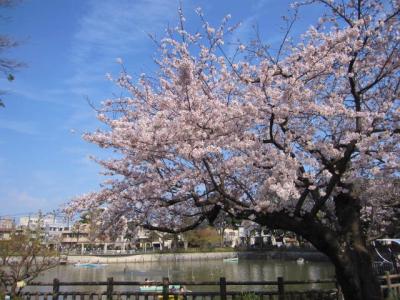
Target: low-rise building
<point>231,237</point>
<point>7,226</point>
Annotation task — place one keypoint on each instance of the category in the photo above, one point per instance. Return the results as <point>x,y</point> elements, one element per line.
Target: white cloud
<point>112,29</point>
<point>21,199</point>
<point>260,5</point>
<point>247,31</point>
<point>57,96</point>
<point>19,126</point>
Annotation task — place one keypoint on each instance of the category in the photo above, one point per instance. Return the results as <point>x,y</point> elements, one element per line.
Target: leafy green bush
<point>250,296</point>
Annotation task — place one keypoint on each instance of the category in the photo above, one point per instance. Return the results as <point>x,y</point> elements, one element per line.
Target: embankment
<point>159,257</point>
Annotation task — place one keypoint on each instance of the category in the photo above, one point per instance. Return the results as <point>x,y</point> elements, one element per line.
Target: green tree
<point>202,237</point>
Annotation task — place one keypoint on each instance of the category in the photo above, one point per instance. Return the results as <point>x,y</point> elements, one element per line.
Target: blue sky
<point>69,46</point>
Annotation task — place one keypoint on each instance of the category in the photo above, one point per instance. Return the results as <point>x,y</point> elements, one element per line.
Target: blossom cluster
<point>261,135</point>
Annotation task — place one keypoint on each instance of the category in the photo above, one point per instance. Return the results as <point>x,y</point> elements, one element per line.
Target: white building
<point>7,225</point>
<point>232,237</point>
<point>51,228</point>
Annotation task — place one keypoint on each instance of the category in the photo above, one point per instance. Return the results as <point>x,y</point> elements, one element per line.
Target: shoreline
<point>159,257</point>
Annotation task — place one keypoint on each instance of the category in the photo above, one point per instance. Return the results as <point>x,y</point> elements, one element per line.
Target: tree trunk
<point>353,261</point>
<point>221,241</point>
<point>353,267</point>
<point>343,242</point>
<point>355,276</point>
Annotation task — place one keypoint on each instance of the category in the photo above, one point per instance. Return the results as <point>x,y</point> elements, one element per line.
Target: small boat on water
<point>300,261</point>
<point>157,288</point>
<point>231,259</point>
<point>89,265</point>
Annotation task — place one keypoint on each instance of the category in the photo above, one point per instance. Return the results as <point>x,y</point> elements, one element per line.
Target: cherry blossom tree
<point>378,222</point>
<point>275,137</point>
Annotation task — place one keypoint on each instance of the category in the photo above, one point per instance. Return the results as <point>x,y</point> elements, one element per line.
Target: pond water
<point>205,270</point>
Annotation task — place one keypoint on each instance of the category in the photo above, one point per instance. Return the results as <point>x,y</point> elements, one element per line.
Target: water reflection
<point>210,270</point>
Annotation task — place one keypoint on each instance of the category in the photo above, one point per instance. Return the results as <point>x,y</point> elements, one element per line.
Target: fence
<point>390,285</point>
<point>219,290</point>
<point>380,268</point>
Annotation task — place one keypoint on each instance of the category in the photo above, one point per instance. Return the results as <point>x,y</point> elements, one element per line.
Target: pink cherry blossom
<point>287,137</point>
